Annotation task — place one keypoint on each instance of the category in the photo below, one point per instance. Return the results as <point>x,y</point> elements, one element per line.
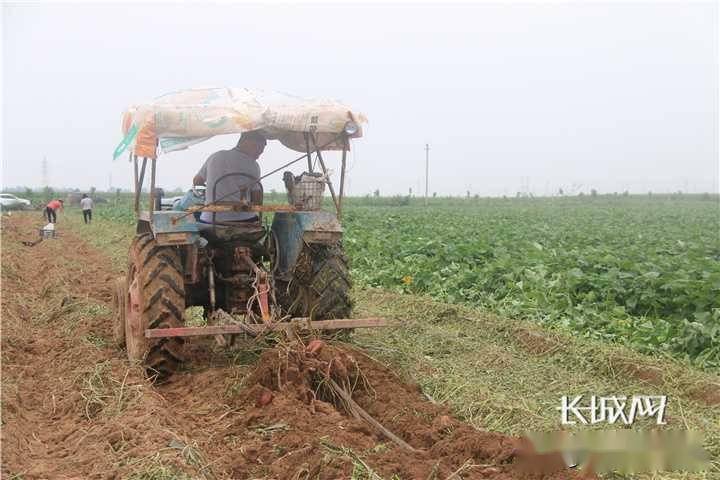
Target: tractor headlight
<point>351,128</point>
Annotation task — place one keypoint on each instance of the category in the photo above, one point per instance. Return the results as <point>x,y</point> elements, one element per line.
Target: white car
<point>9,201</point>
<point>168,203</point>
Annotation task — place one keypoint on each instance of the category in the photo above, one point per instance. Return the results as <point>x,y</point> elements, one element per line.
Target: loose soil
<point>73,407</point>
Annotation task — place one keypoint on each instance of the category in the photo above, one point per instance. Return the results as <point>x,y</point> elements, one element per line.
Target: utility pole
<point>427,169</point>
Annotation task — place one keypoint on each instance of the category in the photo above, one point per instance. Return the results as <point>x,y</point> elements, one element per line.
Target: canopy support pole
<point>342,175</point>
<point>309,154</point>
<point>135,183</point>
<point>139,184</point>
<point>152,188</point>
<point>327,176</point>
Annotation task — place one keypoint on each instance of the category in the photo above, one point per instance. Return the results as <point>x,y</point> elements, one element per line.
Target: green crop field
<point>642,271</point>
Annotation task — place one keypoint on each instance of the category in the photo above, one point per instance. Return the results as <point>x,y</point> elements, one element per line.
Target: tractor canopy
<point>177,120</point>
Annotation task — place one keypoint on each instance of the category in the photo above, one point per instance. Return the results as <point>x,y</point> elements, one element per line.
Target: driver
<point>242,159</point>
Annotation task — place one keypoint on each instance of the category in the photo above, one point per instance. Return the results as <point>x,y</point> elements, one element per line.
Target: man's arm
<point>201,177</point>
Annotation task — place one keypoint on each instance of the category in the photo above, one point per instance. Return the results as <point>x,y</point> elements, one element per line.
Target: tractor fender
<point>169,227</point>
<point>142,226</point>
<point>291,230</point>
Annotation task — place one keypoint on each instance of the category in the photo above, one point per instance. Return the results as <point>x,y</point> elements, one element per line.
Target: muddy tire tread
<point>161,280</point>
<point>321,284</point>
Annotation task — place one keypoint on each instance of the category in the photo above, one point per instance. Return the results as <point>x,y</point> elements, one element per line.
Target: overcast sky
<point>509,96</point>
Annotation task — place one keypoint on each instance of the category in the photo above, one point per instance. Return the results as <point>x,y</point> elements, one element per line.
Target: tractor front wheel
<point>155,299</point>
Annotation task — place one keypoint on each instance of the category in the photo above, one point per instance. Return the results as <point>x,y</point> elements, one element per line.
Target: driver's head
<point>252,143</point>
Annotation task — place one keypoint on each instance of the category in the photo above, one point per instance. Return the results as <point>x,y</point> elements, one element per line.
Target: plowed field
<point>74,408</point>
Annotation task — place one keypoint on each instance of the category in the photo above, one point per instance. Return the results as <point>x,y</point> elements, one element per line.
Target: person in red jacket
<point>52,208</point>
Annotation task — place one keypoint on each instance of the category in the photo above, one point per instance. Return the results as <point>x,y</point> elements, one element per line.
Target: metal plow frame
<point>300,323</point>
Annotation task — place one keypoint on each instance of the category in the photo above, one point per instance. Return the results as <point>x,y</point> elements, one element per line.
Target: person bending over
<point>51,210</point>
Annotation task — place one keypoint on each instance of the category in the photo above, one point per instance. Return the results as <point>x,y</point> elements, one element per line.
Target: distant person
<point>86,204</point>
<point>51,210</point>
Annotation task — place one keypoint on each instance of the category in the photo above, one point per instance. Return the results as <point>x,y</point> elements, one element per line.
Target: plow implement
<point>255,329</point>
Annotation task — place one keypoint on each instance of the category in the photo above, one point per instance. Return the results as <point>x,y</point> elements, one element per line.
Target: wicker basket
<point>307,193</point>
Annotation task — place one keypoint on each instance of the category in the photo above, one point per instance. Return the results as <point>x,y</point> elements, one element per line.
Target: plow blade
<point>257,329</point>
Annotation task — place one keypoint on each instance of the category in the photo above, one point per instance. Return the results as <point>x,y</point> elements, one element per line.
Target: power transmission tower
<point>427,170</point>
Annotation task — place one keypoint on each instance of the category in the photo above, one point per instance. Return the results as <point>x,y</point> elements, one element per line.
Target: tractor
<point>248,277</point>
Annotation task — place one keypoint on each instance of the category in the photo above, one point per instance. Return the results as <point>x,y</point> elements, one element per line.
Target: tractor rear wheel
<point>156,299</point>
<point>320,287</point>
